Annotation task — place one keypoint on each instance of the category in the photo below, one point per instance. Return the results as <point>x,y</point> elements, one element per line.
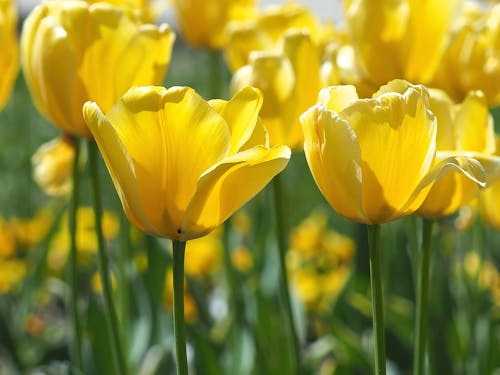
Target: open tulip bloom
<point>182,165</point>
<point>375,161</point>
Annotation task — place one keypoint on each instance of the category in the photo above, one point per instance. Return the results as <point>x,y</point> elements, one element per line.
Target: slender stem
<point>377,298</point>
<point>73,261</point>
<point>103,263</point>
<point>179,325</point>
<point>284,289</point>
<point>422,299</point>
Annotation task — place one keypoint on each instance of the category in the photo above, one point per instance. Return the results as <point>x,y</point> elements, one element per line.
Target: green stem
<point>377,298</point>
<point>421,314</point>
<point>284,289</point>
<point>179,325</point>
<point>103,263</point>
<point>73,261</point>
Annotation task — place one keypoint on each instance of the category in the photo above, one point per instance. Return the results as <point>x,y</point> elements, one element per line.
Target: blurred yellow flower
<point>289,81</point>
<point>374,159</point>
<point>472,59</point>
<point>29,232</point>
<point>319,261</point>
<point>203,255</point>
<point>242,259</point>
<point>399,38</point>
<point>12,272</point>
<point>265,31</point>
<point>241,223</point>
<point>9,55</point>
<point>203,22</point>
<point>86,240</point>
<point>73,52</point>
<point>52,166</point>
<point>7,240</point>
<point>188,180</point>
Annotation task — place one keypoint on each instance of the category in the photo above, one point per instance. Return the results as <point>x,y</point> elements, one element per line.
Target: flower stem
<point>103,263</point>
<point>284,289</point>
<point>179,325</point>
<point>73,261</point>
<point>377,298</point>
<point>215,77</point>
<point>422,299</point>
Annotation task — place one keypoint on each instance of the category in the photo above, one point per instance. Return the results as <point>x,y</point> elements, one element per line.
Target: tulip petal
<point>241,114</point>
<point>336,98</point>
<point>475,125</point>
<point>172,136</point>
<point>119,165</point>
<point>396,134</point>
<point>458,180</point>
<point>56,67</point>
<point>333,154</point>
<point>229,185</point>
<point>464,165</point>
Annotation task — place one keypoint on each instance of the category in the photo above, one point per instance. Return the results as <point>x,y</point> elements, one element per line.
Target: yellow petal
<point>241,114</point>
<point>376,29</point>
<point>333,154</point>
<point>475,125</point>
<point>50,74</point>
<point>305,60</point>
<point>172,136</point>
<point>336,98</point>
<point>9,57</point>
<point>424,46</point>
<point>120,166</point>
<point>229,185</point>
<point>457,182</point>
<point>443,108</point>
<point>397,135</point>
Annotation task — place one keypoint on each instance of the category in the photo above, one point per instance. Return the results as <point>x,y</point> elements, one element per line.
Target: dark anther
<point>179,231</point>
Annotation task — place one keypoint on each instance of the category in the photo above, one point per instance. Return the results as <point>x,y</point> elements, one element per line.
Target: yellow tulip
<point>73,52</point>
<point>466,129</point>
<point>399,39</point>
<point>289,80</point>
<point>264,32</point>
<point>9,57</point>
<point>182,165</point>
<point>52,165</point>
<point>203,22</point>
<point>472,60</point>
<point>374,159</point>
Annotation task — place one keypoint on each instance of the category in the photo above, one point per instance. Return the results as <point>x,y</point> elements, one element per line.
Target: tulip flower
<point>73,52</point>
<point>189,178</point>
<point>375,159</point>
<point>52,165</point>
<point>9,56</point>
<point>391,41</point>
<point>289,80</point>
<point>203,22</point>
<point>472,59</point>
<point>265,31</point>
